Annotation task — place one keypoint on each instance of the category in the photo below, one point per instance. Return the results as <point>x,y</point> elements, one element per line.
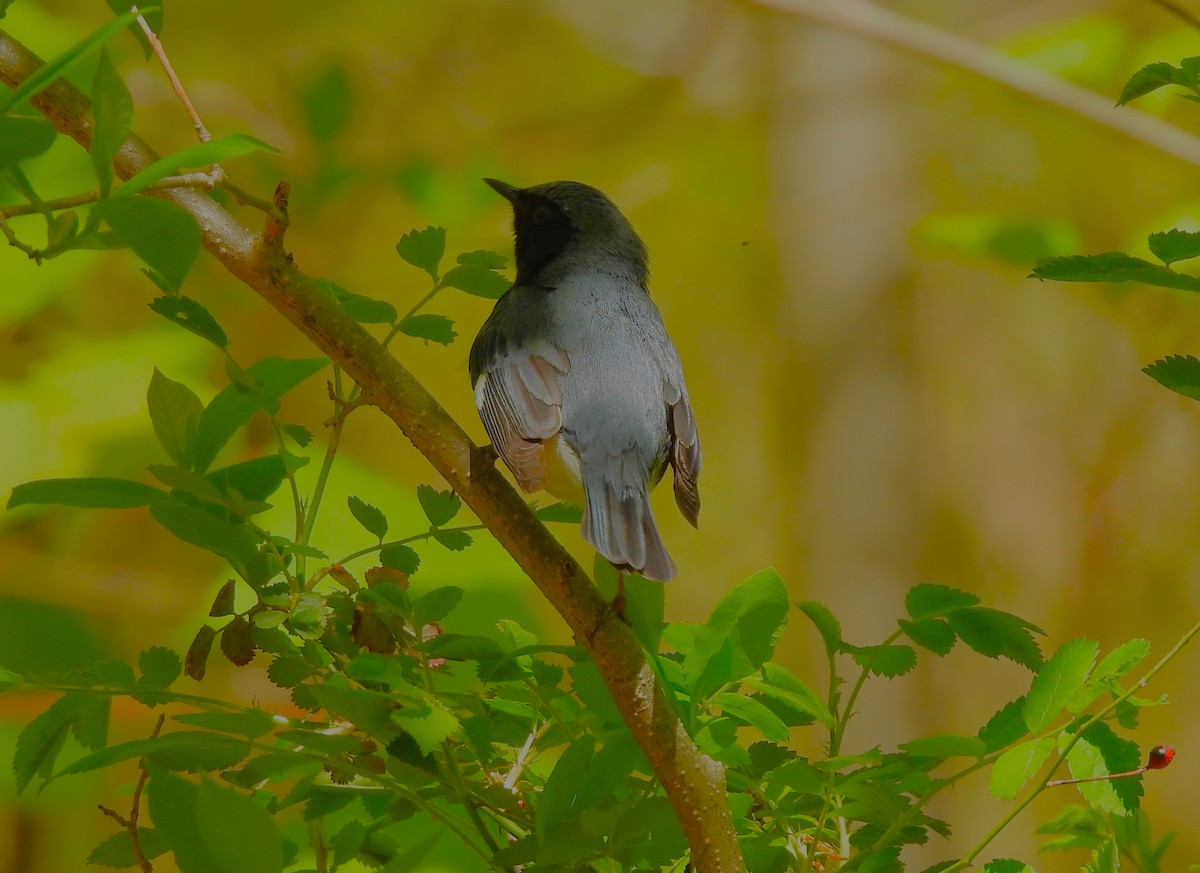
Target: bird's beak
<point>505,190</point>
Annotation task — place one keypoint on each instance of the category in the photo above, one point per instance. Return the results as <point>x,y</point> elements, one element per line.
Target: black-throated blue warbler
<point>577,383</point>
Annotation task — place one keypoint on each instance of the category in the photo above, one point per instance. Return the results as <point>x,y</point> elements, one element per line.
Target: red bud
<point>1160,756</point>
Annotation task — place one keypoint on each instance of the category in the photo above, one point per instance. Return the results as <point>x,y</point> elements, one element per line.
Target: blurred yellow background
<point>840,236</point>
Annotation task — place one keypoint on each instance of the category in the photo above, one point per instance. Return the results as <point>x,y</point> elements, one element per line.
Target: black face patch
<point>542,230</point>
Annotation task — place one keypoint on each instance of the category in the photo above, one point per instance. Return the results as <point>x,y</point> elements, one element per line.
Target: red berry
<point>1160,756</point>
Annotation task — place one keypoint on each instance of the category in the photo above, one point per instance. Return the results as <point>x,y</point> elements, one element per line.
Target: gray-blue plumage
<point>577,383</point>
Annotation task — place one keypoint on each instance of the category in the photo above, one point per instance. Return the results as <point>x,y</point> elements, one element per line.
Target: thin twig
<point>892,28</point>
<point>130,822</point>
<point>15,241</point>
<point>201,130</point>
<point>1175,9</point>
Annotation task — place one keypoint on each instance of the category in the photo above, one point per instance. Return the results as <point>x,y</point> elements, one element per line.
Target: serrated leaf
<point>1006,726</point>
<point>232,408</point>
<point>753,713</point>
<point>477,281</point>
<point>23,138</point>
<point>1155,76</point>
<point>216,150</point>
<point>560,513</point>
<point>288,671</point>
<point>1058,679</point>
<point>946,746</point>
<point>740,635</point>
<point>237,644</point>
<point>890,661</point>
<point>195,663</point>
<point>250,724</point>
<point>1100,752</point>
<point>1112,267</point>
<point>440,507</point>
<point>163,234</point>
<point>781,684</point>
<point>932,601</point>
<point>826,623</point>
<point>117,849</point>
<point>299,434</point>
<point>483,258</point>
<point>1017,766</point>
<point>368,516</point>
<point>1106,858</point>
<point>436,328</point>
<point>40,741</point>
<point>423,249</point>
<point>191,316</point>
<point>994,633</point>
<point>367,310</point>
<point>112,111</point>
<point>175,412</point>
<point>92,493</point>
<point>933,634</point>
<point>1180,373</point>
<point>429,728</point>
<point>454,540</point>
<point>160,666</point>
<point>398,556</point>
<point>1174,245</point>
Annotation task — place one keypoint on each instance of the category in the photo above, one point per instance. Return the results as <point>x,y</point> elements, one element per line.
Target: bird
<point>579,387</point>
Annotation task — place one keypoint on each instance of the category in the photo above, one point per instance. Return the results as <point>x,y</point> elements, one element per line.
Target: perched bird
<point>577,383</point>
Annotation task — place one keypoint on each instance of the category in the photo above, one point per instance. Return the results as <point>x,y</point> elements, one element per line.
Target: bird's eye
<point>541,215</point>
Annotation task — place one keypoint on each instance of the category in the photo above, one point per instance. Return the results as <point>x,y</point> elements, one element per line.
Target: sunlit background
<point>840,234</point>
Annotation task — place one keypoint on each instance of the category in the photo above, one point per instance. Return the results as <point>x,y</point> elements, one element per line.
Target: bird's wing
<point>685,450</point>
<point>519,397</point>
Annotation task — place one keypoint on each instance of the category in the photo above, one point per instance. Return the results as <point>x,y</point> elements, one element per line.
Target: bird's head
<point>569,218</point>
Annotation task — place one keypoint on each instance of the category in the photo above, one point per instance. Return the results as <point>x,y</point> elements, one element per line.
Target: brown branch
<point>873,21</point>
<point>694,783</point>
<point>1180,12</point>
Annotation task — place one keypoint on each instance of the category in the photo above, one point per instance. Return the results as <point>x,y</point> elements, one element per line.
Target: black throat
<point>542,232</point>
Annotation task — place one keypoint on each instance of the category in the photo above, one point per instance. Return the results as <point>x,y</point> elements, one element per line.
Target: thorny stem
<point>130,823</point>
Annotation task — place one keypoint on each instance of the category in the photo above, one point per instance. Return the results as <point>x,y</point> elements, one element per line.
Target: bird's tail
<point>619,524</point>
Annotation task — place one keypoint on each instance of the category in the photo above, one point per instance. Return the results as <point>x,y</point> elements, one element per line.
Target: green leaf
<point>558,800</point>
<point>251,724</point>
<point>41,740</point>
<point>8,679</point>
<point>186,481</point>
<point>933,634</point>
<point>997,634</point>
<point>946,746</point>
<point>368,516</point>
<point>51,70</point>
<point>1058,679</point>
<point>753,713</point>
<point>1017,766</point>
<point>191,316</point>
<point>299,434</point>
<point>436,604</point>
<point>93,493</point>
<point>1112,267</point>
<point>1174,245</point>
<point>890,661</point>
<point>236,544</point>
<point>175,412</point>
<point>933,601</point>
<point>561,513</point>
<point>161,233</point>
<point>1180,373</point>
<point>112,111</point>
<point>429,728</point>
<point>439,506</point>
<point>23,138</point>
<point>398,556</point>
<point>1155,76</point>
<point>232,408</point>
<point>437,328</point>
<point>202,154</point>
<point>1100,752</point>
<point>424,249</point>
<point>1003,865</point>
<point>117,849</point>
<point>740,635</point>
<point>366,310</point>
<point>288,671</point>
<point>781,684</point>
<point>489,260</point>
<point>160,667</point>
<point>254,480</point>
<point>1106,858</point>
<point>827,624</point>
<point>1122,659</point>
<point>454,540</point>
<point>153,18</point>
<point>477,281</point>
<point>1006,726</point>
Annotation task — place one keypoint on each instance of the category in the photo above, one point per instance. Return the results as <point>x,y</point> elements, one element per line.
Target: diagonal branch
<point>694,783</point>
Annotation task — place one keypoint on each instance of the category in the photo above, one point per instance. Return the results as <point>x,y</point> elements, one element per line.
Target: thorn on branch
<point>277,218</point>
